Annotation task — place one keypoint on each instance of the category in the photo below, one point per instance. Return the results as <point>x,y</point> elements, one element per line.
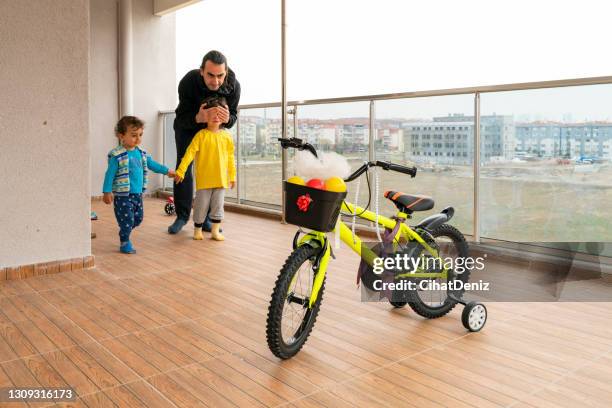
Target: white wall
<point>59,103</point>
<point>103,80</point>
<point>154,74</point>
<point>44,131</point>
<point>154,82</point>
<point>163,7</point>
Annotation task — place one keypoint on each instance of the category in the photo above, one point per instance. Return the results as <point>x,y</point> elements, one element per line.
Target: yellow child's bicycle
<point>432,246</point>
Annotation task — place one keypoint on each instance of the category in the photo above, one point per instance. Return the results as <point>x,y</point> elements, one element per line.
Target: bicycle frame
<point>319,239</point>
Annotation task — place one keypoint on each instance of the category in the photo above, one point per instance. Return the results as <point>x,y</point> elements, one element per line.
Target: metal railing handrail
<point>437,92</point>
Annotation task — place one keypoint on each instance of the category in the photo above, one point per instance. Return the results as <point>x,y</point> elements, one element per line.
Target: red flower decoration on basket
<point>303,202</point>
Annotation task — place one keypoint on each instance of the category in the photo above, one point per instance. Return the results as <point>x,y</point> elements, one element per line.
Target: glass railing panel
<point>437,135</point>
<point>548,178</point>
<point>343,128</point>
<point>260,162</point>
<point>233,193</point>
<point>169,154</point>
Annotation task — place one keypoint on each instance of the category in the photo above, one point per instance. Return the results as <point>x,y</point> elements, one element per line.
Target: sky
<point>341,48</point>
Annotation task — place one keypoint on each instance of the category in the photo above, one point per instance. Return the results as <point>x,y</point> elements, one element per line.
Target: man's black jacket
<point>192,91</point>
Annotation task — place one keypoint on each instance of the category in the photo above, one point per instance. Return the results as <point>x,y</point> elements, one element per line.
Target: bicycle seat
<point>408,202</point>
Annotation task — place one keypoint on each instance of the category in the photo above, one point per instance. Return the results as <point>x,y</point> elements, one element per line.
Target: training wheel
<point>169,208</point>
<point>474,316</point>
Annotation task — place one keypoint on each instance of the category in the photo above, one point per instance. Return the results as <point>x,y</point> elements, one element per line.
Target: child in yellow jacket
<point>215,170</point>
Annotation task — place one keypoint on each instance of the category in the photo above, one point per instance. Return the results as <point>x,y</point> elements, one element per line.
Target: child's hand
<point>171,173</point>
<point>232,184</point>
<point>107,198</point>
<point>177,178</point>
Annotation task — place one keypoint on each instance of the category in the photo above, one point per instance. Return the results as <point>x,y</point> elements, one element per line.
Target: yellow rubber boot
<point>197,234</point>
<point>216,235</point>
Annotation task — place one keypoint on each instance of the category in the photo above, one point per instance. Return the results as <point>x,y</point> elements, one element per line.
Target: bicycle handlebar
<point>411,171</point>
<point>298,144</point>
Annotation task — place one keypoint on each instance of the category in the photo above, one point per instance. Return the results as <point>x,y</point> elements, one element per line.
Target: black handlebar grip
<point>296,143</point>
<point>411,171</point>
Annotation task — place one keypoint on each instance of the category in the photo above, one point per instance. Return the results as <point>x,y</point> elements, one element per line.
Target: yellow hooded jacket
<point>214,155</point>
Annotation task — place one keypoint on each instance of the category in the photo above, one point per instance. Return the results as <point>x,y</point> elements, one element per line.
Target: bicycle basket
<point>312,208</point>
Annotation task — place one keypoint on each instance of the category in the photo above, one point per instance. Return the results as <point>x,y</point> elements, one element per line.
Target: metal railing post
<point>295,121</point>
<point>477,167</point>
<point>371,139</point>
<point>283,104</point>
<point>238,159</point>
<point>163,151</point>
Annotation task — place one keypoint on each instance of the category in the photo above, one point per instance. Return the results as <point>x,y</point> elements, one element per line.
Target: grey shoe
<point>176,226</point>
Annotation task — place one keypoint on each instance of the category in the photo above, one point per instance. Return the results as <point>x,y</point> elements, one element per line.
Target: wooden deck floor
<point>182,324</point>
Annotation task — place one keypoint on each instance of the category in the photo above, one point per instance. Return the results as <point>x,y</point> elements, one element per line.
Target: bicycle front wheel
<point>290,319</point>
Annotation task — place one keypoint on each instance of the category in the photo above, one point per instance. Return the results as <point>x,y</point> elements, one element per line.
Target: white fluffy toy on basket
<point>327,165</point>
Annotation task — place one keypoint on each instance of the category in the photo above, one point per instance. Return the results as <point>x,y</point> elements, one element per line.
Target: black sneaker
<point>176,226</point>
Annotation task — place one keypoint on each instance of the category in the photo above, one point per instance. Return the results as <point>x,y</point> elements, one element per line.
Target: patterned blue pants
<point>129,213</point>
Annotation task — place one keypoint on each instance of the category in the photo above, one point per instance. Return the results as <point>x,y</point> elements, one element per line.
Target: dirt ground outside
<point>523,202</point>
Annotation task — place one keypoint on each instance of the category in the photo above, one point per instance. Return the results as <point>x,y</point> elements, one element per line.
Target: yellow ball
<point>335,184</point>
<point>296,180</point>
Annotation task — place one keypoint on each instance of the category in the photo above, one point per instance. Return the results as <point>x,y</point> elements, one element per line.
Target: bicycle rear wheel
<point>436,303</point>
<point>290,320</point>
